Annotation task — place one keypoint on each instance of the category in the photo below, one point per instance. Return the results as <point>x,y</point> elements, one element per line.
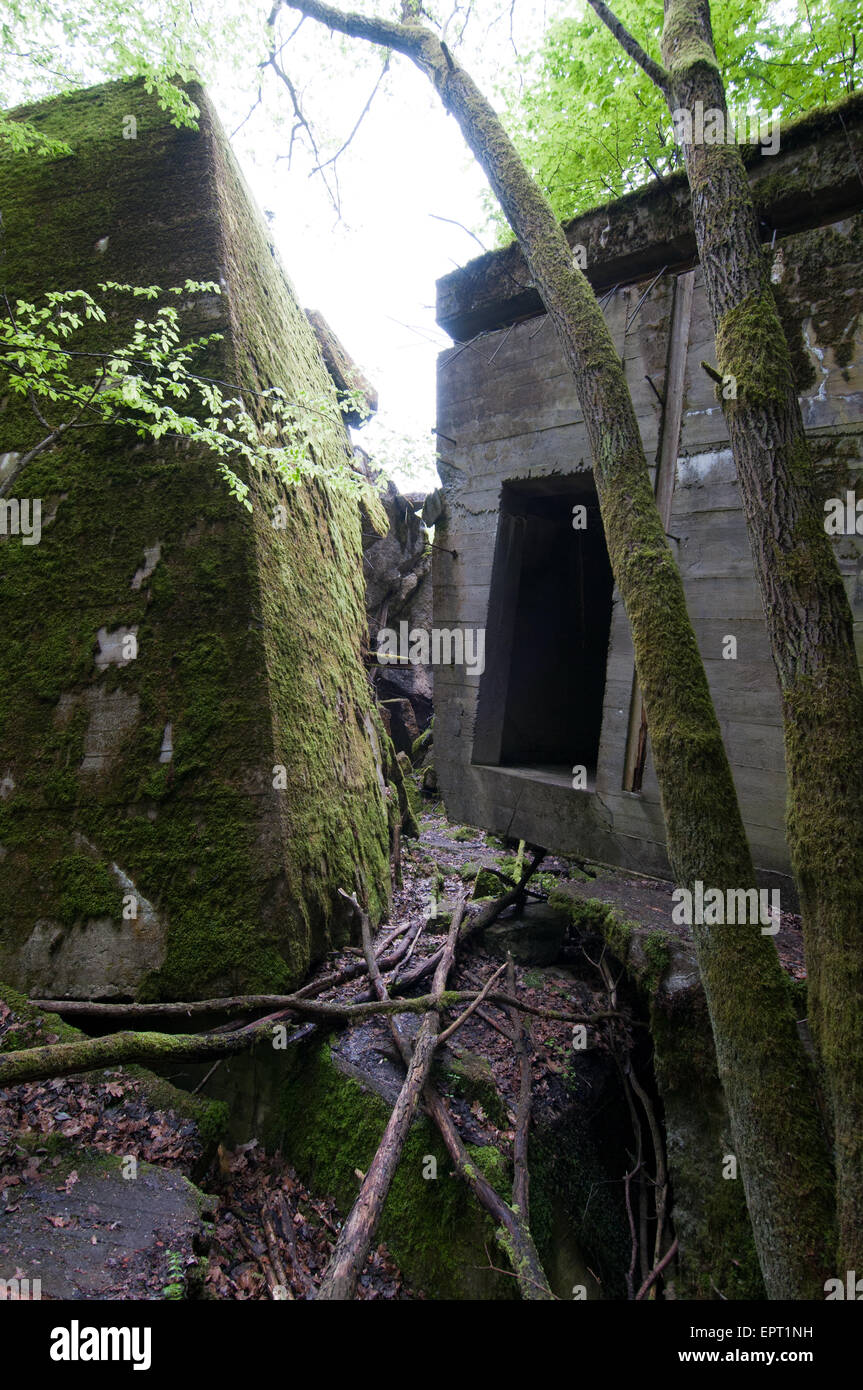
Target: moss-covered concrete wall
<point>716,1255</point>
<point>328,1125</point>
<point>509,417</point>
<point>248,636</point>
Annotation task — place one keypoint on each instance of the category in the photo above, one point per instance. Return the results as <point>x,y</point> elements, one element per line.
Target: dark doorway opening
<point>541,696</point>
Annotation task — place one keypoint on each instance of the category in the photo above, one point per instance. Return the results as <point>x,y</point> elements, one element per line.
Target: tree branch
<point>655,72</point>
<point>655,1273</point>
<point>340,151</point>
<point>521,1173</point>
<point>513,1233</point>
<point>404,38</point>
<point>474,1004</point>
<point>116,1049</point>
<point>302,1004</point>
<point>355,1238</point>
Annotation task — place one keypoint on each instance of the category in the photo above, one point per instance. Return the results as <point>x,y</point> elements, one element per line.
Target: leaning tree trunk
<point>766,1077</point>
<point>348,1257</point>
<point>808,616</point>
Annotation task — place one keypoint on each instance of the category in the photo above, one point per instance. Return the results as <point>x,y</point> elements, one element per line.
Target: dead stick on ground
<point>655,1273</point>
<point>275,1255</point>
<point>405,961</point>
<point>117,1049</point>
<point>521,1177</point>
<point>463,1018</point>
<point>352,1246</point>
<point>493,1023</point>
<point>261,1260</point>
<point>513,1233</point>
<point>204,1079</point>
<point>286,1226</point>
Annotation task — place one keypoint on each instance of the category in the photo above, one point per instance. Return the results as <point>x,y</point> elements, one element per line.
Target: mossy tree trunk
<point>780,1146</point>
<point>808,616</point>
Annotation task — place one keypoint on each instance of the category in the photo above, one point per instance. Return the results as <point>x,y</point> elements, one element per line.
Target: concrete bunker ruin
<point>550,742</point>
<point>176,823</point>
<point>539,709</point>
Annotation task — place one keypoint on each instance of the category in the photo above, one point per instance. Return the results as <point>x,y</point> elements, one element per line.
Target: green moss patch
<point>329,1125</point>
<point>249,636</point>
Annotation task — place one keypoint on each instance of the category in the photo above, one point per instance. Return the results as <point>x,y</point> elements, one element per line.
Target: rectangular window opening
<point>541,695</point>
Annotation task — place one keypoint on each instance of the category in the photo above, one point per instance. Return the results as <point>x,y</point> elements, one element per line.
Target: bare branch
<point>454,223</point>
<point>521,1173</point>
<point>340,151</point>
<point>302,123</point>
<point>404,38</point>
<point>357,1233</point>
<point>474,1004</point>
<point>655,1273</point>
<point>514,1236</point>
<point>655,72</point>
<point>249,113</point>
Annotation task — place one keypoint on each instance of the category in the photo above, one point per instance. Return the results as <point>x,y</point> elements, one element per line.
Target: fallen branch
<point>407,956</point>
<point>282,1215</point>
<point>513,1233</point>
<point>275,1254</point>
<point>352,1246</point>
<point>91,1054</point>
<point>493,1023</point>
<point>477,922</point>
<point>118,1049</point>
<point>655,1273</point>
<point>463,1017</point>
<point>521,1175</point>
<point>42,1064</point>
<point>232,1004</point>
<point>297,1003</point>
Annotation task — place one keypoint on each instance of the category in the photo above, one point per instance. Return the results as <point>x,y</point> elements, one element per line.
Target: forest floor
<point>268,1235</point>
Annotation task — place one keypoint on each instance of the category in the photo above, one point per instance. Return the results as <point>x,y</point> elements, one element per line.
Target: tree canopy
<point>592,126</point>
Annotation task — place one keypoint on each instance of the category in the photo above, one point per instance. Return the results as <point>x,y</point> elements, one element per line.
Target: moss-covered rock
<point>487,885</point>
<point>717,1252</point>
<point>534,937</point>
<point>471,1076</point>
<point>329,1126</point>
<point>249,635</point>
<point>422,746</point>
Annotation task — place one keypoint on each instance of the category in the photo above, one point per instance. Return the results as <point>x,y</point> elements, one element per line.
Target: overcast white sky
<point>373,273</point>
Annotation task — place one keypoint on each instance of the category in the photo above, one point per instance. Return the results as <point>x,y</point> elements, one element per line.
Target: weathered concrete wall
<point>397,569</point>
<point>155,777</point>
<point>508,411</point>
